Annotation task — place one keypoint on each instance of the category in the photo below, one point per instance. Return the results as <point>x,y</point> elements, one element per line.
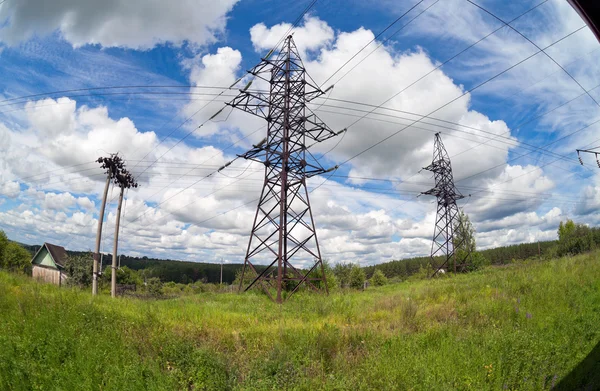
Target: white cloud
<point>313,35</point>
<point>10,189</point>
<point>137,24</point>
<point>355,222</point>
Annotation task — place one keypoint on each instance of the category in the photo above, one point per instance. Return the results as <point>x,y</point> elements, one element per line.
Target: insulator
<point>269,54</point>
<point>264,140</point>
<point>247,86</point>
<point>580,161</point>
<point>235,82</point>
<point>224,166</point>
<point>215,114</point>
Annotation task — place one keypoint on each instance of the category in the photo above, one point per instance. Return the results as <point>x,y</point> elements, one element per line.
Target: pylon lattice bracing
<point>284,229</point>
<point>448,213</point>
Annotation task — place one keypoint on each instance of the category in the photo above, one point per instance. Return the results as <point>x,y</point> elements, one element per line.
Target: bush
<point>13,257</point>
<point>79,269</point>
<point>17,259</point>
<point>379,278</point>
<point>154,286</point>
<point>332,281</point>
<point>342,273</point>
<point>475,261</point>
<point>357,277</point>
<point>574,238</point>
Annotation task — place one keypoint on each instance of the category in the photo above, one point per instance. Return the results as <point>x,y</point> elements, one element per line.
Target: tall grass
<point>523,326</point>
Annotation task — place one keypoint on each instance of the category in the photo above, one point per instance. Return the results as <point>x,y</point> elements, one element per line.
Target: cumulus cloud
<point>10,189</point>
<point>359,220</point>
<point>116,23</point>
<point>313,35</point>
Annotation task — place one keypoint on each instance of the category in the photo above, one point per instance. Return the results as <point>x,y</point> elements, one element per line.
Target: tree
<point>464,234</point>
<point>13,257</point>
<point>566,230</point>
<point>342,273</point>
<point>332,282</point>
<point>3,245</point>
<point>378,278</point>
<point>357,277</point>
<point>79,270</point>
<point>574,238</point>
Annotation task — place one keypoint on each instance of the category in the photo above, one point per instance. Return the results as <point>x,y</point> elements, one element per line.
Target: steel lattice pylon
<point>284,228</point>
<point>447,216</point>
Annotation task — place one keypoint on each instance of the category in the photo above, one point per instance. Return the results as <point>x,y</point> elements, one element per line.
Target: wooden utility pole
<point>221,283</point>
<point>113,276</point>
<point>99,238</point>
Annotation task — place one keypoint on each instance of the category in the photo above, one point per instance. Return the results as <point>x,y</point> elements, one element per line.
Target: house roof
<point>58,254</point>
<point>589,10</point>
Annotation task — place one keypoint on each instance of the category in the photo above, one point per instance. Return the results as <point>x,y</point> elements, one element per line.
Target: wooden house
<point>48,264</point>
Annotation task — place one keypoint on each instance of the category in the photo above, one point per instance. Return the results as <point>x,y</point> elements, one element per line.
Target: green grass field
<point>527,326</point>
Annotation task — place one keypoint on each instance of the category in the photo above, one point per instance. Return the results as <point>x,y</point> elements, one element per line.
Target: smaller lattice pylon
<point>448,213</point>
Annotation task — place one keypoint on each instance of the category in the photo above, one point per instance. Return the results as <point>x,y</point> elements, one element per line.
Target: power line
<point>455,99</point>
<point>383,42</point>
<point>537,47</point>
<point>494,135</point>
<point>374,39</point>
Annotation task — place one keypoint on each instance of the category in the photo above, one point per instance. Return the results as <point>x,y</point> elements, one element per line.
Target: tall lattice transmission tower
<point>284,231</point>
<point>448,214</point>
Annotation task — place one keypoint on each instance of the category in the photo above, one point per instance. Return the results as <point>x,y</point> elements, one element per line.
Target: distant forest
<point>496,256</point>
<point>190,272</point>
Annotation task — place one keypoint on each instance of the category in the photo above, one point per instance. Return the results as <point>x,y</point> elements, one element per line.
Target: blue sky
<point>512,139</point>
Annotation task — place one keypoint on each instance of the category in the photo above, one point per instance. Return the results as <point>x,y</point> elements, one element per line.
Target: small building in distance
<point>48,264</point>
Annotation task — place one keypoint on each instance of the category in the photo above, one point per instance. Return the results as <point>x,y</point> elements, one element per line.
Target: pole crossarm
<point>596,153</point>
<point>283,231</point>
<point>448,213</point>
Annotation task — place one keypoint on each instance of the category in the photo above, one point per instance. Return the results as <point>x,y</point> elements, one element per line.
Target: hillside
<point>526,326</point>
<point>189,272</point>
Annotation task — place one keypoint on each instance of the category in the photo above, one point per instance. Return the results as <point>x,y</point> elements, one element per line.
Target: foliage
<point>14,257</point>
<point>575,238</point>
<point>379,279</point>
<point>481,331</point>
<point>497,256</point>
<point>476,260</point>
<point>357,277</point>
<point>464,234</point>
<point>79,270</point>
<point>154,286</point>
<point>332,282</point>
<point>342,273</point>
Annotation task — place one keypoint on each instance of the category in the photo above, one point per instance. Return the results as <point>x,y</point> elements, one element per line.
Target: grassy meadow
<point>526,326</point>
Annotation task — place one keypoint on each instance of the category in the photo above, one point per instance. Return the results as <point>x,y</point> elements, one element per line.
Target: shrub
<point>16,259</point>
<point>332,281</point>
<point>13,257</point>
<point>476,261</point>
<point>357,277</point>
<point>379,278</point>
<point>574,238</point>
<point>79,270</point>
<point>342,273</point>
<point>154,286</point>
